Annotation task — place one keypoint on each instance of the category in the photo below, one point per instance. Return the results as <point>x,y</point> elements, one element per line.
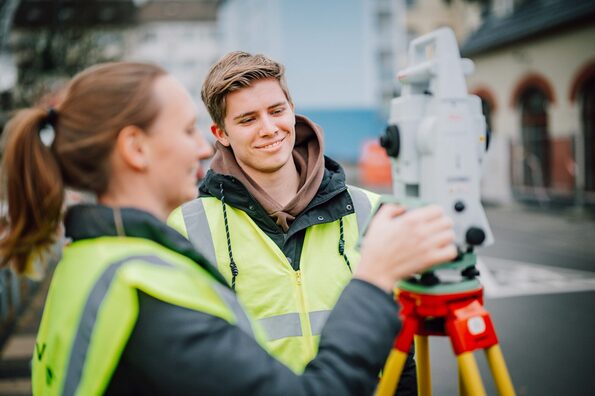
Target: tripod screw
<point>391,141</point>
<point>470,272</point>
<point>475,236</point>
<point>429,279</point>
<point>459,206</point>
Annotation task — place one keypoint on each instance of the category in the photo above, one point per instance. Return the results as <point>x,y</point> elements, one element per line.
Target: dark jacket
<point>331,202</point>
<point>180,351</point>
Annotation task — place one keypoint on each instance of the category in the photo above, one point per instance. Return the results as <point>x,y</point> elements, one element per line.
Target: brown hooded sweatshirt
<point>309,162</point>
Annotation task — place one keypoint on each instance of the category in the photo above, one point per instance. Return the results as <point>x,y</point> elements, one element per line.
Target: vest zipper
<point>306,327</point>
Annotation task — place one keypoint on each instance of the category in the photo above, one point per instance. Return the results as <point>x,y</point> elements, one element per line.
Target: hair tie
<point>47,131</point>
<point>51,117</point>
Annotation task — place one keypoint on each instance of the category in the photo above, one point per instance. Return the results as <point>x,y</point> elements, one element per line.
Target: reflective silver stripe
<point>361,205</point>
<point>281,326</point>
<point>82,339</point>
<point>80,346</point>
<point>317,321</point>
<point>232,303</point>
<point>197,227</point>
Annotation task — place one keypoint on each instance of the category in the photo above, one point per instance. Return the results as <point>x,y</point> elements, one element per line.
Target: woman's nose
<point>205,148</point>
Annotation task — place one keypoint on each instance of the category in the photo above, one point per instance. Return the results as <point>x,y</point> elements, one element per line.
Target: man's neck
<point>282,185</point>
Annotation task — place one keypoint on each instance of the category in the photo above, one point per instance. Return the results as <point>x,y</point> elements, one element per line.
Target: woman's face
<point>176,145</point>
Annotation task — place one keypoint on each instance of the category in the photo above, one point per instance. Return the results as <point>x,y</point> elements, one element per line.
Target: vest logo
<point>39,352</point>
<point>49,376</point>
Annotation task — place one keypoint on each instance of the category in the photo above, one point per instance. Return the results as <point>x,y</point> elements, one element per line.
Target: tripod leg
<point>462,390</point>
<point>422,355</point>
<point>391,373</point>
<point>499,371</point>
<point>471,380</point>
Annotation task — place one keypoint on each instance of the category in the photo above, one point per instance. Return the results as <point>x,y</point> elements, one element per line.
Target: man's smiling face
<point>259,127</point>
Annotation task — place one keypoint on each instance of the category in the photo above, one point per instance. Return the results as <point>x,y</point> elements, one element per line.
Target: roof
<point>69,13</point>
<point>178,10</point>
<point>532,18</point>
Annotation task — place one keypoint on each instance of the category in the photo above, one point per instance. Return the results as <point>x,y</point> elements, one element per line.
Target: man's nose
<point>267,126</point>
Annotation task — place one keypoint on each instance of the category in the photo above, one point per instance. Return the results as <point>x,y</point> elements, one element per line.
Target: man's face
<point>260,128</point>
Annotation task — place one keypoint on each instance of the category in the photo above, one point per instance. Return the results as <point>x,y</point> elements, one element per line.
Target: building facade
<point>535,72</point>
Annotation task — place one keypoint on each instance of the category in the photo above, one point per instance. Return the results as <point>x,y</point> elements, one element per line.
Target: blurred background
<point>534,71</point>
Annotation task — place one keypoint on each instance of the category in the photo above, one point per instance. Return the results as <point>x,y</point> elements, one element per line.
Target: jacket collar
<point>89,221</point>
<point>332,188</point>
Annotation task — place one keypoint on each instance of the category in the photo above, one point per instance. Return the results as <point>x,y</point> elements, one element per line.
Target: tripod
<point>454,310</point>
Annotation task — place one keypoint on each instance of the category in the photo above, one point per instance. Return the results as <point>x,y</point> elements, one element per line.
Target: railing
<point>15,294</point>
<point>527,166</point>
<point>556,175</point>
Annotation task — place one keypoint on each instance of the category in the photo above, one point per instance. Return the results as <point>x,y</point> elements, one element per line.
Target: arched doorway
<point>588,129</point>
<point>533,103</point>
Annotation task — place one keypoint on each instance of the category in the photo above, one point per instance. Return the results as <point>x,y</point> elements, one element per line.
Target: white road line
<point>508,278</point>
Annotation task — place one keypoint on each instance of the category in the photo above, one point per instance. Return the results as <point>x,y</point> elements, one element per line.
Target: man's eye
<point>246,120</point>
<point>278,111</point>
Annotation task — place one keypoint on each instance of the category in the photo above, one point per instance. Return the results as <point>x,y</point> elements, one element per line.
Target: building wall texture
<point>552,62</point>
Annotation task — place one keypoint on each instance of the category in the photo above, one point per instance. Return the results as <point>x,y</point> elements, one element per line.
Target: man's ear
<point>220,135</point>
<point>131,146</point>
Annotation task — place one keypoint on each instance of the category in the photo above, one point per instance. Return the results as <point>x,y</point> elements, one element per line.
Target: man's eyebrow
<point>249,113</point>
<point>244,115</point>
<point>276,105</point>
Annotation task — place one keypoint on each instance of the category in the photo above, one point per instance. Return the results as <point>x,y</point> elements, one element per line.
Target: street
<point>539,280</point>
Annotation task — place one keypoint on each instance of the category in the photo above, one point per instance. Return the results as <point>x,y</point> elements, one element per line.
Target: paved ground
<point>16,354</point>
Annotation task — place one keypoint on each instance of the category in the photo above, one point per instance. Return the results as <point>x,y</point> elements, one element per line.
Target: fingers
<point>426,213</point>
<point>390,210</point>
<point>442,255</point>
<point>437,225</point>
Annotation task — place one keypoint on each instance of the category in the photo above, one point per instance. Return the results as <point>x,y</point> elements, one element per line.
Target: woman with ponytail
<point>33,188</point>
<point>133,308</point>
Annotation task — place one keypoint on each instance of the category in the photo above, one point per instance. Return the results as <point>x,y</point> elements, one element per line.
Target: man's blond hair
<point>235,71</point>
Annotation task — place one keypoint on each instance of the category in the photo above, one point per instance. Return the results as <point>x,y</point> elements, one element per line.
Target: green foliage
<point>46,59</point>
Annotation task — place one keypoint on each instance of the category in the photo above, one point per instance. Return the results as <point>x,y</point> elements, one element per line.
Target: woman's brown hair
<point>99,102</point>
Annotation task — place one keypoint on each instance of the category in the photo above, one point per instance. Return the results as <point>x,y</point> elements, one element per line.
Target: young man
<point>274,213</point>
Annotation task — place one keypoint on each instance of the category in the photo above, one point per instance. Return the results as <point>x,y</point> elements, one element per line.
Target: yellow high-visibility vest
<point>291,306</point>
<point>92,307</point>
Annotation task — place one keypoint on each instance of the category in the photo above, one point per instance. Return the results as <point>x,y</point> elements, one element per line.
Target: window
<point>536,160</point>
<point>486,109</point>
<point>588,127</point>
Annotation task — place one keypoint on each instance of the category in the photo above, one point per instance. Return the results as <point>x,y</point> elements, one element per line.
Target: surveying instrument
<point>436,139</point>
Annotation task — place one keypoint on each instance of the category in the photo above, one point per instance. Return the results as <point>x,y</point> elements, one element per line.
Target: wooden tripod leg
<point>391,373</point>
<point>422,357</point>
<point>499,371</point>
<point>468,370</point>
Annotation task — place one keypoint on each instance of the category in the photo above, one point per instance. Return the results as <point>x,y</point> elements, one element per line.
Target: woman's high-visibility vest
<point>92,307</point>
<point>291,306</point>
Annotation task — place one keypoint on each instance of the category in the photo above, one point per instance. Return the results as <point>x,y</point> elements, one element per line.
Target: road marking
<point>509,278</point>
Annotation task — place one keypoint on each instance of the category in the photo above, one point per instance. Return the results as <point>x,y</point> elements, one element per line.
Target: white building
<point>181,37</point>
<point>340,57</point>
<point>535,71</point>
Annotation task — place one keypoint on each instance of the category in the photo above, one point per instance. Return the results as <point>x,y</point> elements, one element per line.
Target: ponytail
<point>32,187</point>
